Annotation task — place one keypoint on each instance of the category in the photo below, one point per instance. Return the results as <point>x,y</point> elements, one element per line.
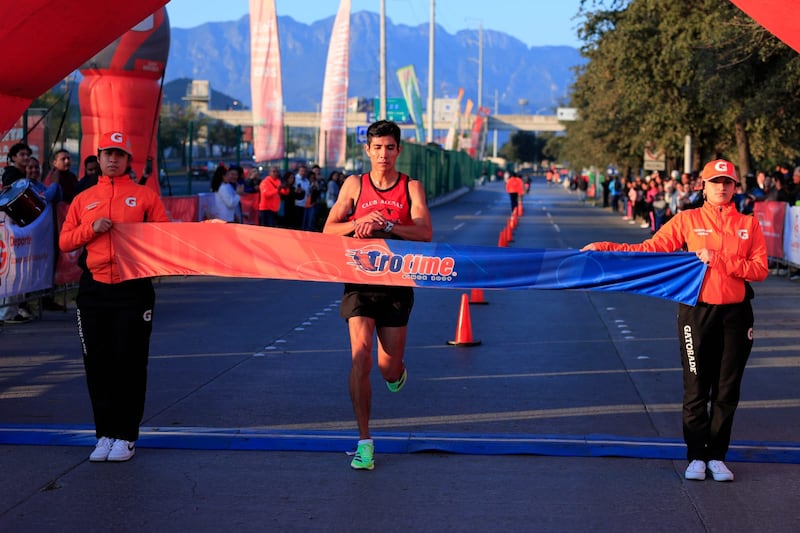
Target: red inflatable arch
<point>45,40</point>
<point>780,17</point>
<point>121,90</point>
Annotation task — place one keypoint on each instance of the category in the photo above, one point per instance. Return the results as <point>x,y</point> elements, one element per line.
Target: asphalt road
<point>565,418</point>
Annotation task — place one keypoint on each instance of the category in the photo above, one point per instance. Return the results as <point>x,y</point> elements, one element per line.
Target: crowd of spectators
<point>58,186</point>
<point>651,200</point>
<point>299,199</point>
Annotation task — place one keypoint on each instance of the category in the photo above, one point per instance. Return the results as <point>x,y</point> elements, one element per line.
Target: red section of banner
<point>266,81</point>
<point>249,208</point>
<point>771,217</point>
<point>67,269</point>
<point>244,251</point>
<point>333,119</point>
<point>182,208</point>
<point>779,17</point>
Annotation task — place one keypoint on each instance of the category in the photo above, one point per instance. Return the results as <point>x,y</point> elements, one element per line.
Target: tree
<point>224,135</point>
<point>659,70</point>
<point>62,117</point>
<point>522,147</point>
<point>173,131</point>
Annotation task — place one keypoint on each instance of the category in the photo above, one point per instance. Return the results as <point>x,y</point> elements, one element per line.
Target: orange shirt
<point>119,199</point>
<point>268,197</point>
<point>394,202</point>
<point>515,184</point>
<point>741,252</point>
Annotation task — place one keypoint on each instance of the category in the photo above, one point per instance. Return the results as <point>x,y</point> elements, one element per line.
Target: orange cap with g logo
<point>115,139</point>
<point>719,168</point>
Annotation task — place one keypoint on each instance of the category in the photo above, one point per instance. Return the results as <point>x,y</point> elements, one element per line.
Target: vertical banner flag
<point>333,122</point>
<point>477,131</point>
<point>450,142</point>
<point>408,83</point>
<point>265,81</point>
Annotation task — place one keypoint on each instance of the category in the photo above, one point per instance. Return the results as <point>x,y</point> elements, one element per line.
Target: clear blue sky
<point>534,22</point>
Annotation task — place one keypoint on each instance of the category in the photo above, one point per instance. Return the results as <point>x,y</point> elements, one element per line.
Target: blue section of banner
<point>248,439</point>
<point>670,276</point>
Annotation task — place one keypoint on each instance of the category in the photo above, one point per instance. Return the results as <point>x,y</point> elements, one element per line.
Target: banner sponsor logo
<point>689,344</point>
<point>377,260</point>
<point>5,252</point>
<point>26,255</point>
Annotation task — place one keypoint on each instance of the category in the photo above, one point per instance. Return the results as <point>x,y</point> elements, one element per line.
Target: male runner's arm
<point>422,229</point>
<point>372,224</point>
<point>337,223</point>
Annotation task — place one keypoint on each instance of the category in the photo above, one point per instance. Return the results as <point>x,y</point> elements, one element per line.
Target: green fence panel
<point>441,171</point>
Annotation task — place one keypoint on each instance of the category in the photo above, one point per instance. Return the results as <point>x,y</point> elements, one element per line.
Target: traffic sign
<point>361,134</point>
<point>396,111</point>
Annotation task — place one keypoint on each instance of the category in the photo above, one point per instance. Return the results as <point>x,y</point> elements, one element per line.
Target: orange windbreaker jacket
<point>268,197</point>
<point>515,184</point>
<point>119,199</point>
<point>740,251</point>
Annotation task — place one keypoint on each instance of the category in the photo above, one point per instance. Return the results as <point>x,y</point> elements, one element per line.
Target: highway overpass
<point>312,120</point>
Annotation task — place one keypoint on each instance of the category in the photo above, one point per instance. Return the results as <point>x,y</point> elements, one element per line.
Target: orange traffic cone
<point>519,208</point>
<point>509,234</point>
<point>476,297</point>
<point>464,328</point>
<point>501,240</point>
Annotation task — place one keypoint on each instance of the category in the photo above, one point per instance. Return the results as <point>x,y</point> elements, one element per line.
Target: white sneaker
<point>122,450</point>
<point>645,225</point>
<point>101,449</point>
<point>720,471</point>
<point>696,470</point>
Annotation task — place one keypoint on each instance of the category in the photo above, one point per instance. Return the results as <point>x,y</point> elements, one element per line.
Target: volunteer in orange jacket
<point>515,189</point>
<point>114,317</point>
<point>269,201</point>
<point>716,335</point>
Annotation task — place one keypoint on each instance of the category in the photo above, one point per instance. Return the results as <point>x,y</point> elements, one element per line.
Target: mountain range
<point>522,79</point>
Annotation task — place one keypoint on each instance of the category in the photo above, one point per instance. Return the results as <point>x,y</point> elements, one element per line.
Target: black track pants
<point>115,324</point>
<point>715,344</point>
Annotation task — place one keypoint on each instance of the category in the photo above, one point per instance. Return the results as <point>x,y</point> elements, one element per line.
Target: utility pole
<point>480,66</point>
<point>430,74</point>
<point>494,148</point>
<point>382,114</point>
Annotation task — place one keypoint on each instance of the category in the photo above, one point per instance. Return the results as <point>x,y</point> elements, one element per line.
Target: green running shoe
<point>395,386</point>
<point>363,459</point>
